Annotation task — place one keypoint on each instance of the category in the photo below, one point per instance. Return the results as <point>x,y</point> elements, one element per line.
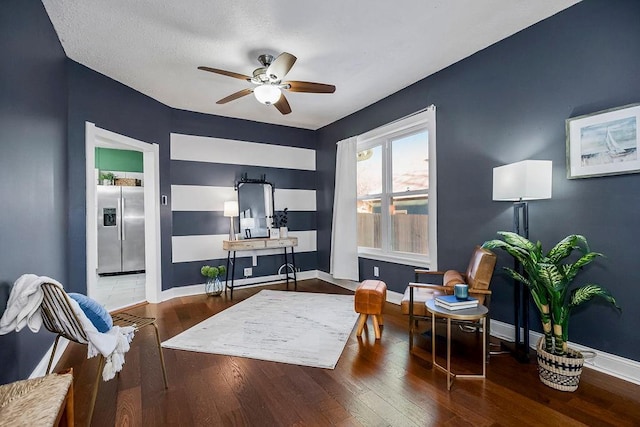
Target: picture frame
<point>604,143</point>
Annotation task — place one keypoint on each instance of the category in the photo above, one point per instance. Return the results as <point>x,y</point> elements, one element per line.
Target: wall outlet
<point>248,272</point>
<point>376,271</point>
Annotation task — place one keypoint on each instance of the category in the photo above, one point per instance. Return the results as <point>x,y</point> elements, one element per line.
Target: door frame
<point>97,137</point>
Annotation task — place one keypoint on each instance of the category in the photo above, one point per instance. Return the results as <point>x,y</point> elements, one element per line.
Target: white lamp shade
<point>231,208</point>
<point>267,94</point>
<point>525,180</point>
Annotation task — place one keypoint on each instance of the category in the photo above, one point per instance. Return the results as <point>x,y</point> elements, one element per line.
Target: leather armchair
<point>478,276</point>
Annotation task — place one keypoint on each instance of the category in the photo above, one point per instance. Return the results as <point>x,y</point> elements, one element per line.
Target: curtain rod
<point>430,107</point>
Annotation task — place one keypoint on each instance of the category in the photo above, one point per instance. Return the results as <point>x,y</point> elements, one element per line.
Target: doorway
<point>97,137</point>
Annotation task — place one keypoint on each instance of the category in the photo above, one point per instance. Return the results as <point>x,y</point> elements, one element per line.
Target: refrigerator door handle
<point>119,218</point>
<point>122,199</point>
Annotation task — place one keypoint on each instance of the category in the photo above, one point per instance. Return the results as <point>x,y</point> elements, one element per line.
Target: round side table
<point>477,313</point>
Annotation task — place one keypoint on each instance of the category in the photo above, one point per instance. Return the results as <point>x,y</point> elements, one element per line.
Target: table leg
<point>484,347</point>
<point>295,278</point>
<point>449,376</point>
<point>433,339</point>
<point>226,277</point>
<point>233,272</point>
<point>286,266</point>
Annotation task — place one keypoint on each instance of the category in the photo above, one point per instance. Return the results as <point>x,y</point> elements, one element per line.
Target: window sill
<point>404,259</point>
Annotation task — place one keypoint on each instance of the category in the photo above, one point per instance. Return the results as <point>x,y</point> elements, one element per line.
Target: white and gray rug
<point>300,328</point>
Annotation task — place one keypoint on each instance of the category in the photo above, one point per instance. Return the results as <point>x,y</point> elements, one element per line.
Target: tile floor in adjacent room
<point>119,291</point>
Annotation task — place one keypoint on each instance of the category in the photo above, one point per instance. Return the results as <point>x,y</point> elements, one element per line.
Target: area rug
<point>300,328</point>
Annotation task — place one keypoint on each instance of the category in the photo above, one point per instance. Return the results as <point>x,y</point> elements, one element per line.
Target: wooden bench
<point>38,402</point>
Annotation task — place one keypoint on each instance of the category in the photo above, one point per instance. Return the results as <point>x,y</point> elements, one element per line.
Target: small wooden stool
<point>370,298</point>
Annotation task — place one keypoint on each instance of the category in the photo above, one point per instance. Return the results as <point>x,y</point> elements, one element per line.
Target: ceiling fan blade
<point>283,105</point>
<point>226,73</point>
<point>280,66</point>
<point>310,87</point>
<point>234,96</point>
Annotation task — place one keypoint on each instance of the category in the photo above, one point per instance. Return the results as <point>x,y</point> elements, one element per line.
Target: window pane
<point>369,227</point>
<point>409,222</point>
<point>370,171</point>
<point>410,162</point>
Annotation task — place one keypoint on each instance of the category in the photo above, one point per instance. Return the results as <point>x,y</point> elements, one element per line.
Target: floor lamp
<point>231,210</point>
<point>520,182</point>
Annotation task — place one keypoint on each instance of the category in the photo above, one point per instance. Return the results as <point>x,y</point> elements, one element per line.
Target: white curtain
<point>344,235</point>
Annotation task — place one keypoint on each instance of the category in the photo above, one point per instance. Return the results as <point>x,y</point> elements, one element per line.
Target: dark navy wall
<point>33,108</point>
<point>507,103</point>
<point>115,107</point>
<point>199,124</point>
<point>504,104</point>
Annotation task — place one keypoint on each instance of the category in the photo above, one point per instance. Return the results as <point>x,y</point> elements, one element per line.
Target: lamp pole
<point>521,292</point>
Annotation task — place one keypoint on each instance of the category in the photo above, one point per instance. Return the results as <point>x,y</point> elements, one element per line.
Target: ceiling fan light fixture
<point>267,94</point>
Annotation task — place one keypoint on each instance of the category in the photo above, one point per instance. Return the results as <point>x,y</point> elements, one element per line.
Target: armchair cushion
<point>420,296</point>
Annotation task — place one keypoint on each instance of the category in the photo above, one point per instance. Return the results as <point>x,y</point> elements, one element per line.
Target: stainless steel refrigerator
<point>120,229</point>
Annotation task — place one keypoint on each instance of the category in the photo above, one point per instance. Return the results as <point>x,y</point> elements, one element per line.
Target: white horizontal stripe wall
<point>295,200</point>
<point>197,248</point>
<point>218,150</point>
<point>209,198</point>
<point>200,197</point>
<point>200,248</point>
<point>203,198</point>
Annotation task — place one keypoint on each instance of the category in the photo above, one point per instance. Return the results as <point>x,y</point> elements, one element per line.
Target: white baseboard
<point>184,291</point>
<point>392,296</point>
<point>610,364</point>
<point>41,369</point>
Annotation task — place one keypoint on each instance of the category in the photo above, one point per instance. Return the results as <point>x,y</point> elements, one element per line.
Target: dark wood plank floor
<point>374,384</point>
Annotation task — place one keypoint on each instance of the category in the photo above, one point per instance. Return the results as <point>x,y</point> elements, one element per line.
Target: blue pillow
<point>96,313</point>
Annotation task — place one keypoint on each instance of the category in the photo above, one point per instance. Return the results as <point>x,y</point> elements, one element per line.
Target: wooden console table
<point>232,246</point>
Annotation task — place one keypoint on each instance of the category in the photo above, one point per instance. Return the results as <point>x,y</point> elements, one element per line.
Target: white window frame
<point>425,120</point>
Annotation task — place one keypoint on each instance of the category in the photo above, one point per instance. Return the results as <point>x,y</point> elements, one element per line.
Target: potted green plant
<point>213,285</point>
<point>107,178</point>
<point>549,278</point>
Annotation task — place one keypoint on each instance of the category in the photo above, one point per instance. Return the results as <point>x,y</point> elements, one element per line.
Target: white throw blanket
<point>23,308</point>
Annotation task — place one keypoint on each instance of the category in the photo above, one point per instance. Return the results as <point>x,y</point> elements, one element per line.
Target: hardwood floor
<point>374,384</point>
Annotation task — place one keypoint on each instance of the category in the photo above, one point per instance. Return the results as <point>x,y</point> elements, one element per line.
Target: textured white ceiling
<point>368,49</point>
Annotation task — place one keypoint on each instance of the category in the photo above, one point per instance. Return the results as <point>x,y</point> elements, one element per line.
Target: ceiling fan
<point>269,84</point>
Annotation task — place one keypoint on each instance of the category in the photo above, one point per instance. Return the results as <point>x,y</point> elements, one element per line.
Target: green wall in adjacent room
<point>108,159</point>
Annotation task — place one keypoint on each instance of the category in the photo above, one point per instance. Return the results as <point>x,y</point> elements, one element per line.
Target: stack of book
<point>450,302</point>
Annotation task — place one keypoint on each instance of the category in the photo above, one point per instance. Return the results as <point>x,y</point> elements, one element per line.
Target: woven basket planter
<point>559,372</point>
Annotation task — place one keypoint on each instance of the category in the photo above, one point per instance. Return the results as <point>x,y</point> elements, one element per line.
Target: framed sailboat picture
<point>604,143</point>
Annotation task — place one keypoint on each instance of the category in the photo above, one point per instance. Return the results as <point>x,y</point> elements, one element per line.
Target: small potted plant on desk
<point>549,279</point>
<point>213,286</point>
<point>280,223</point>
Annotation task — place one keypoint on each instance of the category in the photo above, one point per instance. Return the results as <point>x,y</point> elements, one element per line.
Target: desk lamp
<point>231,210</point>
